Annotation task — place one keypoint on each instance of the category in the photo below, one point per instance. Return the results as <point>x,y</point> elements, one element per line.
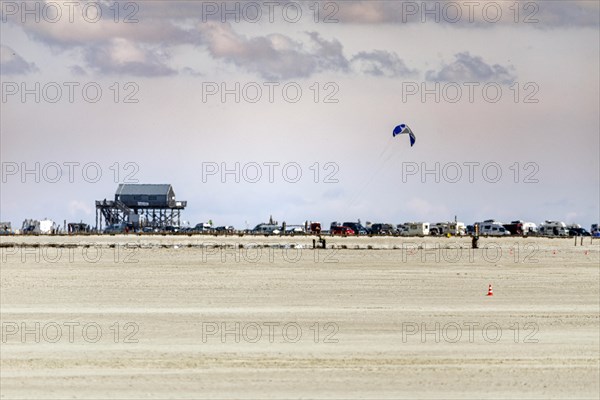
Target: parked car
<point>342,230</point>
<point>578,232</point>
<point>436,230</point>
<point>294,230</point>
<point>401,229</point>
<point>357,228</point>
<point>5,228</point>
<point>225,229</point>
<point>382,229</point>
<point>267,229</point>
<point>202,227</point>
<point>115,228</point>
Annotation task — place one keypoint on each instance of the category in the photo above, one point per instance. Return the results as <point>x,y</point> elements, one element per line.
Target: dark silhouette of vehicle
<point>342,230</point>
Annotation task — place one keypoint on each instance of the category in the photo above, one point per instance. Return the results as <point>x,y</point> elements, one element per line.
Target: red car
<point>342,230</point>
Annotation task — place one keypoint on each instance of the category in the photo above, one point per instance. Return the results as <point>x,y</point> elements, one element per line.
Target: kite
<point>402,129</point>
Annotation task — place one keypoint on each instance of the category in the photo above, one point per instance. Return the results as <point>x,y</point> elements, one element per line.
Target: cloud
<point>122,56</point>
<point>368,12</point>
<point>163,25</point>
<point>140,49</point>
<point>381,63</point>
<point>191,71</point>
<point>469,14</point>
<point>273,56</point>
<point>571,14</point>
<point>77,70</point>
<point>328,54</point>
<point>74,30</point>
<point>11,63</point>
<point>467,68</point>
<point>112,47</point>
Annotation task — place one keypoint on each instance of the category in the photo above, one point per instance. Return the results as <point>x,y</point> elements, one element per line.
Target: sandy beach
<point>181,317</point>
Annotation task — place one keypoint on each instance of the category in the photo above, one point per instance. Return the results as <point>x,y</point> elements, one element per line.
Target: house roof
<point>143,189</point>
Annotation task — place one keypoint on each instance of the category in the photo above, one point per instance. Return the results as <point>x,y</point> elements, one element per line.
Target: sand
<point>181,317</point>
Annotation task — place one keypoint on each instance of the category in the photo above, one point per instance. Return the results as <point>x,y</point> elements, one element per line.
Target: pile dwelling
<point>140,205</point>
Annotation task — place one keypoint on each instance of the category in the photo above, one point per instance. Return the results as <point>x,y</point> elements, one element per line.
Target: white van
<point>445,228</point>
<point>492,229</point>
<point>529,228</point>
<point>457,228</point>
<point>417,228</point>
<point>553,228</point>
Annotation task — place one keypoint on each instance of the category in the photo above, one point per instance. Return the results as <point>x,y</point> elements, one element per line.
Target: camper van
<point>457,228</point>
<point>448,228</point>
<point>492,228</point>
<point>417,228</point>
<point>553,228</point>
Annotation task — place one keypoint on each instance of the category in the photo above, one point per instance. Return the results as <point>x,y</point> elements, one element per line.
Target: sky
<point>251,109</point>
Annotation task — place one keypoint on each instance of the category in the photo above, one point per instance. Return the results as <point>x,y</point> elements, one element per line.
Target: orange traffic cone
<point>490,290</point>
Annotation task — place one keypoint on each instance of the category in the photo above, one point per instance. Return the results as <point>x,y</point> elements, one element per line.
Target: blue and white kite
<point>402,129</point>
